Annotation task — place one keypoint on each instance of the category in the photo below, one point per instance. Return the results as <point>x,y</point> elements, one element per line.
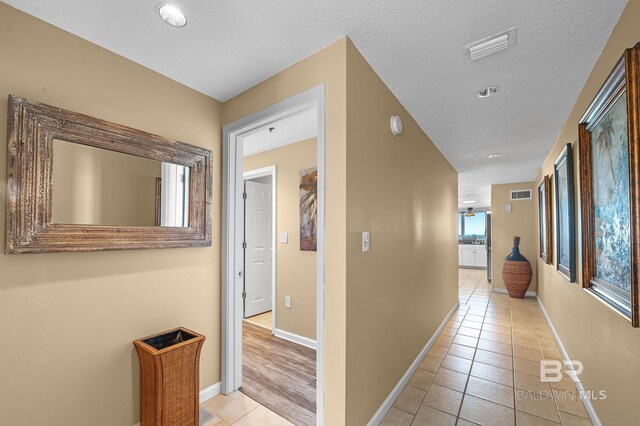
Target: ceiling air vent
<point>490,45</point>
<point>521,194</point>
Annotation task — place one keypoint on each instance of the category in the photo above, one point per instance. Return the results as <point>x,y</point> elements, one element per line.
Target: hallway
<point>484,367</point>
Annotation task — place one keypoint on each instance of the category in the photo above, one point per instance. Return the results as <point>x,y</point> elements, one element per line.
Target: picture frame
<point>565,214</point>
<point>609,148</point>
<point>308,209</point>
<point>544,220</point>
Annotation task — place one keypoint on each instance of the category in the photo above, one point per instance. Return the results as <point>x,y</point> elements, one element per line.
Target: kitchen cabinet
<point>472,255</point>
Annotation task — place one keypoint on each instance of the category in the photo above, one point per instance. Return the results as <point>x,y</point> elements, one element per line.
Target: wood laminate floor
<point>279,374</point>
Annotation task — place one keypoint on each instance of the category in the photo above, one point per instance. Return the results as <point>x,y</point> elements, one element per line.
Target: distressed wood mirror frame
<point>32,128</point>
<point>544,220</point>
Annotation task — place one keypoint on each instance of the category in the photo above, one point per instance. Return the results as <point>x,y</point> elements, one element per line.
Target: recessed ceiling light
<point>496,155</point>
<point>172,15</point>
<point>488,91</point>
<point>469,202</point>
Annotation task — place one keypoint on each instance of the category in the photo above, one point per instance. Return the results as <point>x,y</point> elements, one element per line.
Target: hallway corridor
<point>484,367</point>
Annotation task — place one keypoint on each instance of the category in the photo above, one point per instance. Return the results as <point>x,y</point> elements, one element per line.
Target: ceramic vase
<point>516,272</point>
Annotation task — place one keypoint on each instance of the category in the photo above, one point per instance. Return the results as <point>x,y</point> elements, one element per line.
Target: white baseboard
<point>205,394</point>
<point>388,403</point>
<point>587,402</point>
<point>208,393</point>
<point>304,341</point>
<point>504,291</point>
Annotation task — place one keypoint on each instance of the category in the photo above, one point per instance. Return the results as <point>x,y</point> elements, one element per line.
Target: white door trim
<point>262,172</point>
<point>232,272</point>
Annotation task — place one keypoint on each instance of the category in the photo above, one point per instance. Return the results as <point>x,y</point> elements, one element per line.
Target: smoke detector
<point>490,45</point>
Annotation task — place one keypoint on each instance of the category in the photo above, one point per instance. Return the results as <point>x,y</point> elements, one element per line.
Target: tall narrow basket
<point>170,377</point>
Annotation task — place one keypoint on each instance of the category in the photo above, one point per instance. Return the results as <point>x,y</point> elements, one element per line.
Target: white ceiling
<point>415,47</point>
<point>290,129</point>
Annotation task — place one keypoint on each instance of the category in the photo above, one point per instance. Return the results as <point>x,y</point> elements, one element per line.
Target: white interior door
<point>258,253</point>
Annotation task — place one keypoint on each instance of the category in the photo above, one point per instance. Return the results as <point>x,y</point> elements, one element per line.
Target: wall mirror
<point>77,183</point>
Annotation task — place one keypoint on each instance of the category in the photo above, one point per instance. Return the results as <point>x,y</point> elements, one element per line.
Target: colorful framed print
<point>609,186</point>
<point>544,219</point>
<point>308,209</point>
<point>565,215</point>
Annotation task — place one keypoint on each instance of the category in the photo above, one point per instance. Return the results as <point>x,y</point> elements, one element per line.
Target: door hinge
<point>244,294</point>
<point>244,244</point>
<point>244,195</point>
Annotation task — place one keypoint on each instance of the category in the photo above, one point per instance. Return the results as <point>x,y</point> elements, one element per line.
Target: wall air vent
<point>490,45</point>
<point>521,194</point>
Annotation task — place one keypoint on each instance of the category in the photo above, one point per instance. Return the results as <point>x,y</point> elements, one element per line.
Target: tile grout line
<point>475,350</point>
<point>513,363</point>
<point>521,318</point>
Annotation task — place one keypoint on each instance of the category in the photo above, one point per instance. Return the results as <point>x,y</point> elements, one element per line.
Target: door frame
<point>257,173</point>
<point>232,268</point>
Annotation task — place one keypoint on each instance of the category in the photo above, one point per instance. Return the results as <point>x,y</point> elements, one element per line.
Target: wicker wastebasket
<point>169,377</point>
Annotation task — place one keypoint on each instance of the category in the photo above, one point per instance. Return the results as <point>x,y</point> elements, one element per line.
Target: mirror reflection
<point>93,186</point>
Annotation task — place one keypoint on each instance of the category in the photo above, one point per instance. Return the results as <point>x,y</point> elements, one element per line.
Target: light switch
<point>365,241</point>
<point>287,302</point>
<point>507,208</point>
<point>284,238</point>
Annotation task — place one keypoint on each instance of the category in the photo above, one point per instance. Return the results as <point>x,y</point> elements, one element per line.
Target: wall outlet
<point>284,238</point>
<point>287,302</point>
<point>507,208</point>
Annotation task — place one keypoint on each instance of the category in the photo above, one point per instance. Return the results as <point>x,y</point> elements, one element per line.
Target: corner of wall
<point>521,221</point>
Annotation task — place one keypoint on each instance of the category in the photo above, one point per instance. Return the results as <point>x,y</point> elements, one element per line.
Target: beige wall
<point>70,318</point>
<point>67,320</point>
<point>327,67</point>
<point>100,187</point>
<point>590,331</point>
<point>402,190</point>
<point>295,269</point>
<point>520,222</point>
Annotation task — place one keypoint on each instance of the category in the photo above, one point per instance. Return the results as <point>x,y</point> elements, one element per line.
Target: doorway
<point>260,201</point>
<point>234,267</point>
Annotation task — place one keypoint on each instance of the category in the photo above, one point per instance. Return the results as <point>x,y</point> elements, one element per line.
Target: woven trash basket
<point>170,378</point>
<point>516,272</point>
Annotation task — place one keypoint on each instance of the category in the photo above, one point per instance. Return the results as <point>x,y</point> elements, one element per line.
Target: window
<point>470,226</point>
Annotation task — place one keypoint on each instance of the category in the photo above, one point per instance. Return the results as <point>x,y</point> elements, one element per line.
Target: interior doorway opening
<point>273,203</point>
<point>474,251</point>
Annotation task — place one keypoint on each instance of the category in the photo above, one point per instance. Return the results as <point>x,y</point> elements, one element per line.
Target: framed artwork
<point>544,219</point>
<point>308,209</point>
<point>609,184</point>
<point>565,215</point>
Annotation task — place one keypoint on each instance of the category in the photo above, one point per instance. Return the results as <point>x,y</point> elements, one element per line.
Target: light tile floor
<point>237,409</point>
<point>484,367</point>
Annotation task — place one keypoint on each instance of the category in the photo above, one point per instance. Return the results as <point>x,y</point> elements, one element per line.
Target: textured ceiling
<point>414,45</point>
<point>294,128</point>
